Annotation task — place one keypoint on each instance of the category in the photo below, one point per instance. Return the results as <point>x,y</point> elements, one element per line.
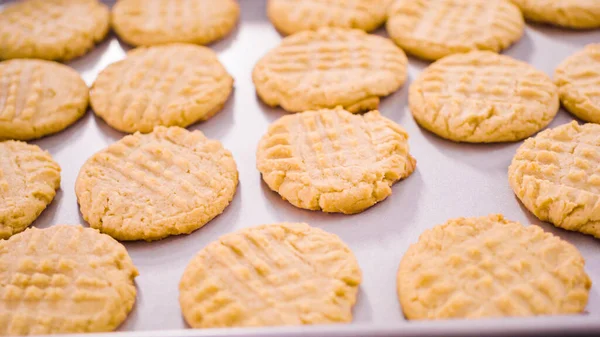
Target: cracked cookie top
<point>330,67</point>
<point>556,175</point>
<point>149,186</point>
<point>334,161</point>
<point>277,274</point>
<point>483,97</point>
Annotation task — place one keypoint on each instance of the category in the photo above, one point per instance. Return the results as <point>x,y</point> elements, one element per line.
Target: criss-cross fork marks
<point>21,90</point>
<point>491,267</point>
<point>63,279</point>
<point>330,53</point>
<point>482,96</point>
<point>435,28</point>
<point>161,177</point>
<point>165,85</point>
<point>333,160</point>
<point>569,158</point>
<point>330,67</point>
<point>487,77</point>
<point>52,29</point>
<point>557,177</point>
<point>28,182</point>
<point>578,79</point>
<point>151,22</point>
<point>291,16</point>
<point>271,275</point>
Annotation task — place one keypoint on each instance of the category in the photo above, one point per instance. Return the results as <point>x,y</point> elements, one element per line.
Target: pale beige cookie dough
<point>292,16</point>
<point>330,67</point>
<point>432,29</point>
<point>483,97</point>
<point>578,14</point>
<point>39,98</point>
<point>52,29</point>
<point>556,175</point>
<point>279,274</point>
<point>29,178</point>
<point>153,22</point>
<point>578,81</point>
<point>149,186</point>
<point>169,85</point>
<point>334,161</point>
<point>64,279</point>
<point>485,267</point>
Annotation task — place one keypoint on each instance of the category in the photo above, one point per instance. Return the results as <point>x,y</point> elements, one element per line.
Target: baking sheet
<point>451,180</point>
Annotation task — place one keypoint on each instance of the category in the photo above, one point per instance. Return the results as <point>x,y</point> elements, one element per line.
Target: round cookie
<point>52,29</point>
<point>556,175</point>
<point>432,29</point>
<point>578,81</point>
<point>334,161</point>
<point>280,274</point>
<point>41,98</point>
<point>292,16</point>
<point>483,97</point>
<point>330,67</point>
<point>149,186</point>
<point>485,267</point>
<point>153,22</point>
<point>169,85</point>
<point>577,14</point>
<point>64,279</point>
<point>29,178</point>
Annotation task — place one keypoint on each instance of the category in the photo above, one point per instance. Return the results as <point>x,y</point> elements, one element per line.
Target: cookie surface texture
<point>578,81</point>
<point>432,29</point>
<point>149,186</point>
<point>52,29</point>
<point>330,67</point>
<point>577,14</point>
<point>334,161</point>
<point>41,98</point>
<point>64,279</point>
<point>485,267</point>
<point>483,97</point>
<point>292,16</point>
<point>153,22</point>
<point>556,175</point>
<point>170,85</point>
<point>29,178</point>
<point>279,274</point>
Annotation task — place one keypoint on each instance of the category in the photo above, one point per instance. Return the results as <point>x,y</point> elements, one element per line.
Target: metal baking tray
<point>451,180</point>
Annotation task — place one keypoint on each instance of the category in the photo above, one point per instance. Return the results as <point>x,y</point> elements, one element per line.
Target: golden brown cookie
<point>432,29</point>
<point>149,186</point>
<point>51,29</point>
<point>330,67</point>
<point>169,85</point>
<point>29,178</point>
<point>578,81</point>
<point>556,175</point>
<point>579,14</point>
<point>40,98</point>
<point>483,97</point>
<point>334,161</point>
<point>486,267</point>
<point>292,16</point>
<point>280,274</point>
<point>153,22</point>
<point>64,279</point>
